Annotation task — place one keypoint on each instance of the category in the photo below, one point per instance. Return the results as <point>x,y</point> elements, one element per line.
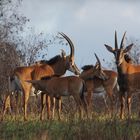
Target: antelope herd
<point>47,76</point>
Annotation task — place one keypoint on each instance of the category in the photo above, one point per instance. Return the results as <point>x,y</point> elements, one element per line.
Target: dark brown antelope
<point>128,74</point>
<point>61,86</point>
<point>97,84</point>
<point>96,71</point>
<point>57,65</point>
<point>60,64</point>
<point>66,86</point>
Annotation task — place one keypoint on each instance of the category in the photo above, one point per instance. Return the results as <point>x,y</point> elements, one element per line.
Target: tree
<point>135,51</point>
<point>16,46</point>
<point>11,21</point>
<point>34,46</point>
<point>11,24</point>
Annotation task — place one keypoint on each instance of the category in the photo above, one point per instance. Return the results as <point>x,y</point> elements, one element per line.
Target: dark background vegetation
<point>19,44</point>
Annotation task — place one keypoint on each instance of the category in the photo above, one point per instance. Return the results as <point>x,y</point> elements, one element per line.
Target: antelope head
<point>69,60</point>
<point>119,53</point>
<point>98,69</point>
<point>94,71</point>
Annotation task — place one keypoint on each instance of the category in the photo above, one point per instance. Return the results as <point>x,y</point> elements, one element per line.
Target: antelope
<point>57,65</point>
<point>61,86</point>
<point>60,65</point>
<point>17,95</point>
<point>99,85</point>
<point>65,86</point>
<point>128,74</point>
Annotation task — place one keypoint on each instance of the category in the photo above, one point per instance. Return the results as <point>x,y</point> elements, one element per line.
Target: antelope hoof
<point>25,119</point>
<point>1,119</point>
<point>41,119</point>
<point>60,119</point>
<point>49,118</point>
<point>139,115</point>
<point>121,117</point>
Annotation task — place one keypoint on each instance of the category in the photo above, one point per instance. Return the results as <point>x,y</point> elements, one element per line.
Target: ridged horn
<point>71,46</point>
<point>121,46</point>
<point>116,42</point>
<point>98,60</point>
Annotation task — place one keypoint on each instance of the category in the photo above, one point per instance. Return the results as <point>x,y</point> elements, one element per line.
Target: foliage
<point>34,46</point>
<point>135,51</point>
<point>10,24</point>
<point>18,45</point>
<point>11,21</point>
<point>98,128</point>
<point>8,61</point>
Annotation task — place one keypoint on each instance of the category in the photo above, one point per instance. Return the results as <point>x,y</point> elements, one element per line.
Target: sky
<point>89,23</point>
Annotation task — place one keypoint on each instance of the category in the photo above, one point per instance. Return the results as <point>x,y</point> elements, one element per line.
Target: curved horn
<point>116,43</point>
<point>71,46</point>
<point>121,46</point>
<point>98,60</point>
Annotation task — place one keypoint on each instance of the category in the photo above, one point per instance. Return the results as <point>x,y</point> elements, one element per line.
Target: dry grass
<point>99,127</point>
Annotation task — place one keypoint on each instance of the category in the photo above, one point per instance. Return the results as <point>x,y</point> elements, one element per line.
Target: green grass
<point>100,127</point>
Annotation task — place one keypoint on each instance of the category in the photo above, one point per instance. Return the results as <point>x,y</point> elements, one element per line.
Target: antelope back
<point>24,73</point>
<point>111,82</point>
<point>92,72</point>
<point>41,71</point>
<point>91,79</point>
<point>89,73</point>
<point>59,86</point>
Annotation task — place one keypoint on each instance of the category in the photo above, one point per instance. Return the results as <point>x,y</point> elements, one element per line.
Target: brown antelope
<point>128,74</point>
<point>61,86</point>
<point>96,71</point>
<point>60,64</point>
<point>98,85</point>
<point>66,86</point>
<point>57,65</point>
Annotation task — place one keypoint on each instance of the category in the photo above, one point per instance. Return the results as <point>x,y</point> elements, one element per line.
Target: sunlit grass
<point>99,127</point>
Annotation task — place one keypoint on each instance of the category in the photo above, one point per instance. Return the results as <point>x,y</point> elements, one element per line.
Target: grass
<point>100,127</point>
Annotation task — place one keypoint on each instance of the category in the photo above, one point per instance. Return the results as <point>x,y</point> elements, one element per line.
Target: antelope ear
<point>128,48</point>
<point>97,65</point>
<point>63,53</point>
<point>110,49</point>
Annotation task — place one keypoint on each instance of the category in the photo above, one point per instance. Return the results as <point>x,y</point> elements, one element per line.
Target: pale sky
<point>89,23</point>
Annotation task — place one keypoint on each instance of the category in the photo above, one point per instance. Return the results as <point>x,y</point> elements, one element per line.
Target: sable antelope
<point>60,64</point>
<point>96,71</point>
<point>128,74</point>
<point>66,86</point>
<point>98,85</point>
<point>61,86</point>
<point>57,65</point>
<point>17,95</point>
<point>25,73</point>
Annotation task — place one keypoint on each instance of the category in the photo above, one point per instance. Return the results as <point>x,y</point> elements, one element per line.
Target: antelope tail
<point>82,96</point>
<point>9,84</point>
<point>83,99</point>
